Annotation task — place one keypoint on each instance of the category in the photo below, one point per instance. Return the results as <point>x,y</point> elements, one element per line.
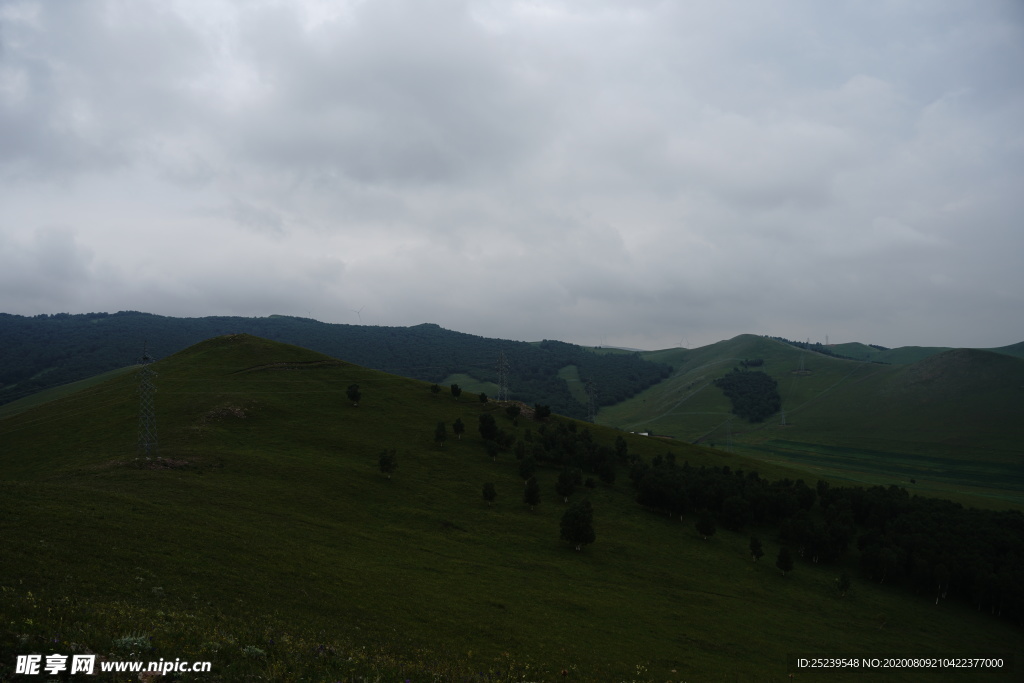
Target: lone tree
<point>456,391</point>
<point>540,412</point>
<point>756,551</point>
<point>578,524</point>
<point>483,397</point>
<point>440,434</point>
<point>513,413</point>
<point>621,449</point>
<point>784,561</point>
<point>353,394</point>
<point>388,462</point>
<point>488,427</point>
<point>489,493</point>
<point>458,428</point>
<point>531,496</point>
<point>706,525</point>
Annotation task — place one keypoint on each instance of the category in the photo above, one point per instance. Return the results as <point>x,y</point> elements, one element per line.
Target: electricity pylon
<point>591,401</point>
<point>147,415</point>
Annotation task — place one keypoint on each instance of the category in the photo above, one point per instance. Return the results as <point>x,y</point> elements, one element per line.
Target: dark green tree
<point>489,493</point>
<point>706,525</point>
<point>754,395</point>
<point>843,584</point>
<point>353,394</point>
<point>435,389</point>
<point>577,525</point>
<point>488,427</point>
<point>621,449</point>
<point>483,397</point>
<point>456,391</point>
<point>735,513</point>
<point>388,462</point>
<point>540,412</point>
<point>458,427</point>
<point>505,439</point>
<point>566,483</point>
<point>440,434</point>
<point>784,561</point>
<point>513,413</point>
<point>531,495</point>
<point>756,551</point>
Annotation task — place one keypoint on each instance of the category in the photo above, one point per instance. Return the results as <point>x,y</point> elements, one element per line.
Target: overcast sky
<point>643,174</point>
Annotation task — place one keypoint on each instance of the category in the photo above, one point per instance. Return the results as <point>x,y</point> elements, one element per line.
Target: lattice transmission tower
<point>147,415</point>
<point>503,373</point>
<point>591,387</point>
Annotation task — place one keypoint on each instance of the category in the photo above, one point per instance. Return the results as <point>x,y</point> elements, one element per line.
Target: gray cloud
<point>595,172</point>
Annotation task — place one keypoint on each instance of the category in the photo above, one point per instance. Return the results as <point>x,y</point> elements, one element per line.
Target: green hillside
<point>1012,350</point>
<point>950,422</point>
<point>266,540</point>
<point>45,351</point>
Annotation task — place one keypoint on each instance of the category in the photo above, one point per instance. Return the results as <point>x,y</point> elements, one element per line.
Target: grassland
<point>950,421</point>
<point>47,395</point>
<point>266,541</point>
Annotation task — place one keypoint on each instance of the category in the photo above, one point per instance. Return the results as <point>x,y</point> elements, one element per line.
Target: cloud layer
<point>601,172</point>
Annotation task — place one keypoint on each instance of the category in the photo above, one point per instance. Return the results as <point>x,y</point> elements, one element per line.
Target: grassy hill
<point>266,540</point>
<point>950,421</point>
<point>45,351</point>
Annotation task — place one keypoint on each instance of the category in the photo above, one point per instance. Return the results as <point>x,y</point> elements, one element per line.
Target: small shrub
<point>253,652</point>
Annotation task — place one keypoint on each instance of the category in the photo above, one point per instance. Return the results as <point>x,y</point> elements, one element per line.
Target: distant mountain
<point>1012,350</point>
<point>48,350</point>
<point>950,420</point>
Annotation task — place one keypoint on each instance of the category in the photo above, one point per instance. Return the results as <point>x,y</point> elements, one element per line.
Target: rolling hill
<point>45,351</point>
<point>950,421</point>
<point>265,539</point>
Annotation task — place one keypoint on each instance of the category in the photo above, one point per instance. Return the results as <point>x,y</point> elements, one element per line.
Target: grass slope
<point>950,421</point>
<point>47,395</point>
<point>266,541</point>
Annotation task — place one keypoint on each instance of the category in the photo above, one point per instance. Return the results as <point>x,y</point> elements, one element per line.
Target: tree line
<point>936,548</point>
<point>42,351</point>
<point>754,394</point>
